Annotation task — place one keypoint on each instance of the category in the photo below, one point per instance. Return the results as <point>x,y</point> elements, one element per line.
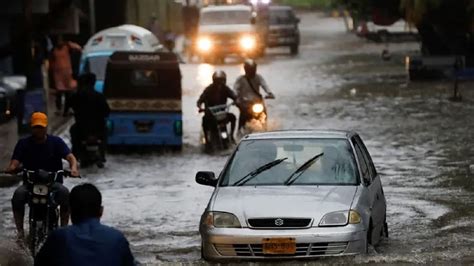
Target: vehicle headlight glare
<point>222,220</point>
<point>339,218</point>
<point>257,108</point>
<point>204,44</point>
<point>247,42</point>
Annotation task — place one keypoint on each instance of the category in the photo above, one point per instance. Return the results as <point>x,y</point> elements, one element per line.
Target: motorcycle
<point>90,151</point>
<point>43,210</point>
<point>253,116</point>
<point>219,137</point>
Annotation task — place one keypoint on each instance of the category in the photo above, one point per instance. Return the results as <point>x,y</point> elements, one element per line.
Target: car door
<point>378,209</point>
<point>367,177</point>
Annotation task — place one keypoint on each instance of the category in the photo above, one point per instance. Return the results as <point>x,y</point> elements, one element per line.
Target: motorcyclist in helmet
<point>247,88</point>
<point>216,94</point>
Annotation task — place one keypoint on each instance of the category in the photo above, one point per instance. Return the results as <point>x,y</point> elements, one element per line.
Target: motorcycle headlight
<point>257,108</point>
<point>222,220</point>
<point>204,44</point>
<point>248,42</point>
<point>340,218</point>
<point>41,190</point>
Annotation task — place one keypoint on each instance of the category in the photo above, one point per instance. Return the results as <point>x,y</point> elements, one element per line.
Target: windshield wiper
<point>257,171</point>
<point>296,174</point>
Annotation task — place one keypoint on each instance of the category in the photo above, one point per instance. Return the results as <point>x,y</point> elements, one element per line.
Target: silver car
<point>294,194</point>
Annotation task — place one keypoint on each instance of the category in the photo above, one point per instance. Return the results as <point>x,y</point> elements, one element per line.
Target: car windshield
<point>281,17</point>
<point>225,17</point>
<point>97,65</point>
<point>336,165</point>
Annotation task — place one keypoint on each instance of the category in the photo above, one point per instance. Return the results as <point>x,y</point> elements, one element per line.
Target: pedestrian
<point>87,241</point>
<point>61,68</point>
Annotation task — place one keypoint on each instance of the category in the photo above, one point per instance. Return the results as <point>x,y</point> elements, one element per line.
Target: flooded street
<point>421,143</point>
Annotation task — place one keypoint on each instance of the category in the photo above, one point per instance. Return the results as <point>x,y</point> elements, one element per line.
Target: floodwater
<point>421,143</point>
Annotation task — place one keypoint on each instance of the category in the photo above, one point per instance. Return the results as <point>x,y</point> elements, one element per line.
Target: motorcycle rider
<point>40,151</point>
<point>90,112</point>
<point>216,94</point>
<point>247,88</point>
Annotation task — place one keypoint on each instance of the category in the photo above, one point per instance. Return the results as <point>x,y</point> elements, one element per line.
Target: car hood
<point>283,201</point>
<point>228,29</point>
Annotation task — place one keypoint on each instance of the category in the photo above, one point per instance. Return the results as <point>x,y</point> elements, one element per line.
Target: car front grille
<point>302,250</point>
<point>228,39</point>
<point>280,222</point>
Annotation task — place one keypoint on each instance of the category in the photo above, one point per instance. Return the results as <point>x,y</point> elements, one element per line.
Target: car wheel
<point>369,238</point>
<point>202,253</point>
<point>294,49</point>
<point>385,228</point>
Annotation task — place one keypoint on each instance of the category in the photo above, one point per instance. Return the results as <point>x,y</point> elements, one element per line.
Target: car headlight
<point>204,44</point>
<point>222,220</point>
<point>248,42</point>
<point>340,218</point>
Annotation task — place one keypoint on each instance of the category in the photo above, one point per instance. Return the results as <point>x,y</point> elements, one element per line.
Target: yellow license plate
<point>279,246</point>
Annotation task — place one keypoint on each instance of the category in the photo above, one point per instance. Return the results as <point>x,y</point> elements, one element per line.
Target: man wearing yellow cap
<point>41,151</point>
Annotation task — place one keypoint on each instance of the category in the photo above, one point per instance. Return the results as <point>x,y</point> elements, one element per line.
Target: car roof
<point>302,133</point>
<point>279,7</point>
<point>226,8</point>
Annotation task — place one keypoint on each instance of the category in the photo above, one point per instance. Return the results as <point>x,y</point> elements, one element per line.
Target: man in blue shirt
<point>87,241</point>
<point>45,152</point>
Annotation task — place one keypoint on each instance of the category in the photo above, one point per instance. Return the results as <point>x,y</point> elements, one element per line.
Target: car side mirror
<point>297,20</point>
<point>206,179</point>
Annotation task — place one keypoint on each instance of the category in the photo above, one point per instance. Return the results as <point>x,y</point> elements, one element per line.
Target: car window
<point>221,17</point>
<point>362,161</point>
<point>281,17</point>
<point>335,167</point>
<point>368,159</point>
<point>144,78</point>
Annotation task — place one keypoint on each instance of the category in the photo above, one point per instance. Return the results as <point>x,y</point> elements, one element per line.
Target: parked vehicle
<point>228,29</point>
<point>294,194</point>
<point>219,138</point>
<point>7,102</point>
<point>284,28</point>
<point>9,85</point>
<point>143,91</point>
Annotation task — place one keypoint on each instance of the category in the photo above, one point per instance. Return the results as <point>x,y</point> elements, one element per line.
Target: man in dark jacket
<point>216,94</point>
<point>87,241</point>
<point>90,112</point>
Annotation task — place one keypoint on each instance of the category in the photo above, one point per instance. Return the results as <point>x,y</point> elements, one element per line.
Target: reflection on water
<point>204,74</point>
